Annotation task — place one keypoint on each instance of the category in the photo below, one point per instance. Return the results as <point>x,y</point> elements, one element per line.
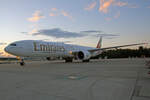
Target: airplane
<point>39,48</point>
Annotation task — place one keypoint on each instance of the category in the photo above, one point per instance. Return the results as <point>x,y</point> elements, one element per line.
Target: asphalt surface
<point>114,79</point>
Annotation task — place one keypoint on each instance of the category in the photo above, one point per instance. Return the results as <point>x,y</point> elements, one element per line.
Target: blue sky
<point>130,19</point>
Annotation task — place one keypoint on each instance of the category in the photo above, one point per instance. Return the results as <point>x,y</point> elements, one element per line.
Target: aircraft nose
<point>6,49</point>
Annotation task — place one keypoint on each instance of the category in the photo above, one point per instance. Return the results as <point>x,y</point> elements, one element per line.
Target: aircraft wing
<point>97,49</point>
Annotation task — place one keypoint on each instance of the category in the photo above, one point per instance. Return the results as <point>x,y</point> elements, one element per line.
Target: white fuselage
<point>35,48</point>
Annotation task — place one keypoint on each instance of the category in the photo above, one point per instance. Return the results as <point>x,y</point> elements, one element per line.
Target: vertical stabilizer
<point>99,44</point>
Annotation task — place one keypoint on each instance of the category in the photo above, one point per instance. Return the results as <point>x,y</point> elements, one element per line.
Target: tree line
<point>125,53</point>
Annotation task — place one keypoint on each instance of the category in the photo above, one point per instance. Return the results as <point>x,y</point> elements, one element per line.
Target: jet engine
<point>83,55</point>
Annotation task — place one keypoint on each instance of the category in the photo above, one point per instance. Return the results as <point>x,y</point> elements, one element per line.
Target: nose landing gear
<point>21,61</point>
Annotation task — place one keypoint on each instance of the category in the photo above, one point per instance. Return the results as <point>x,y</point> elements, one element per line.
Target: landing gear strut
<point>68,60</point>
<point>22,63</point>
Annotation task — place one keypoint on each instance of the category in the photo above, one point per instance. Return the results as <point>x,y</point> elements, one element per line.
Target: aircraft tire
<point>22,63</point>
<point>68,60</point>
<point>86,60</point>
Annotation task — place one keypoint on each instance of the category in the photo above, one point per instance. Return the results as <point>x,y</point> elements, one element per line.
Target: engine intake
<point>80,55</point>
<point>83,55</point>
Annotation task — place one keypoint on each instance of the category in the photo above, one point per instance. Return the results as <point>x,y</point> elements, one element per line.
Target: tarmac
<point>110,79</point>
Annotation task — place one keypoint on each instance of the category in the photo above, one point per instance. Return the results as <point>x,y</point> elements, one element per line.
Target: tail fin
<point>99,44</point>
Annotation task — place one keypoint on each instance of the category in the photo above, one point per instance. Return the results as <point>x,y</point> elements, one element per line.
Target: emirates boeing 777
<point>38,48</point>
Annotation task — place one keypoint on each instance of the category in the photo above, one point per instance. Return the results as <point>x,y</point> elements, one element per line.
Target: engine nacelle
<point>83,55</point>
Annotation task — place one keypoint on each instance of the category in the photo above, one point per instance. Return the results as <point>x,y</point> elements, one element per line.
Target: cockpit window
<point>13,44</point>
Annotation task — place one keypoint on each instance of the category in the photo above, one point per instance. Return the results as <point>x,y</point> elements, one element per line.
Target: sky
<point>79,22</point>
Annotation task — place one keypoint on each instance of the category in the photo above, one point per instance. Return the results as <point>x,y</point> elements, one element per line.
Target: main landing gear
<point>68,60</point>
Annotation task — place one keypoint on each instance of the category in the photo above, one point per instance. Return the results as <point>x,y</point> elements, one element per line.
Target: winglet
<point>99,44</point>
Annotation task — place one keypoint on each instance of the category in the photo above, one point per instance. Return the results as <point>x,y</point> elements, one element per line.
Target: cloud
<point>106,35</point>
<point>90,6</point>
<point>53,9</point>
<point>148,7</point>
<point>3,43</point>
<point>24,32</point>
<point>58,33</point>
<point>104,5</point>
<point>3,53</point>
<point>52,14</point>
<point>58,41</point>
<point>64,13</point>
<point>111,37</point>
<point>67,41</point>
<point>120,3</point>
<point>97,33</point>
<point>133,6</point>
<point>91,31</point>
<point>36,16</point>
<point>33,31</point>
<point>108,19</point>
<point>117,15</point>
<point>56,12</point>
